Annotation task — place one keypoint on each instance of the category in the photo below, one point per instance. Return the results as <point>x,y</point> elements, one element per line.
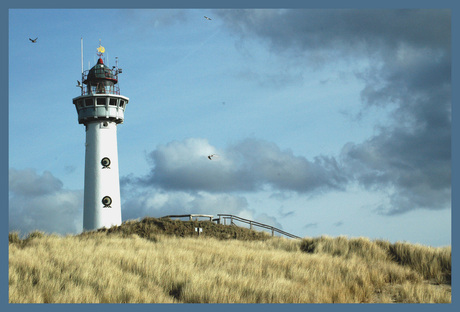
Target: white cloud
<point>154,202</point>
<point>38,202</point>
<point>249,165</point>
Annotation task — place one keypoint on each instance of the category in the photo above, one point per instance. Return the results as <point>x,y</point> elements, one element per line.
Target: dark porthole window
<point>106,201</point>
<point>105,162</point>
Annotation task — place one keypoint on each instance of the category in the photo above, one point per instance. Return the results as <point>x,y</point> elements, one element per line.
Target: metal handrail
<point>190,216</point>
<point>255,223</point>
<point>236,218</point>
<point>116,91</point>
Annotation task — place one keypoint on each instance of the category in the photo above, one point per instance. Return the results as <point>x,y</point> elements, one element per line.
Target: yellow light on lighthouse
<point>101,49</point>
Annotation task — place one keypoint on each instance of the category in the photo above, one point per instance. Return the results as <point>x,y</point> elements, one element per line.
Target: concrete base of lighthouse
<point>102,207</point>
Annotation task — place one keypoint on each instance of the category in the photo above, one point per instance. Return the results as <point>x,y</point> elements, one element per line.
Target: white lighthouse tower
<point>101,108</point>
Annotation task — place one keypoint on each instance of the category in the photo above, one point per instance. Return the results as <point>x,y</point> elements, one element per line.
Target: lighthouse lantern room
<point>101,108</point>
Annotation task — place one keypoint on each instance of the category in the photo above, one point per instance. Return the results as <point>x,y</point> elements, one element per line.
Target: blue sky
<point>326,122</point>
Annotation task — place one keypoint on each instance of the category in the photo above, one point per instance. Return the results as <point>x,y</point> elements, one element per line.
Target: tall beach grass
<point>123,267</point>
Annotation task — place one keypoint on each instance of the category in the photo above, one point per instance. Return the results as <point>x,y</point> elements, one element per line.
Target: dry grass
<point>433,264</point>
<point>122,267</point>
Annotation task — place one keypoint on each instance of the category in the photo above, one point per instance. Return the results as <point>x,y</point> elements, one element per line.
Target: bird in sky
<point>211,156</point>
<point>33,40</point>
<point>207,18</point>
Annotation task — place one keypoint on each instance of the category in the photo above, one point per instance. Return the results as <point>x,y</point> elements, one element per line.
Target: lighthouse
<point>100,109</point>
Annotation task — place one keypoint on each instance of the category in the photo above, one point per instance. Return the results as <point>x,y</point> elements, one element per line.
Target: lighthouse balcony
<point>92,108</point>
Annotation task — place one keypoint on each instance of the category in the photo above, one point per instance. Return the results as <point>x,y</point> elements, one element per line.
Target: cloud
<point>248,166</point>
<point>411,157</point>
<point>414,168</point>
<point>283,214</point>
<point>183,180</point>
<point>156,202</point>
<point>409,77</point>
<point>340,32</point>
<point>310,225</point>
<point>27,182</point>
<point>39,202</point>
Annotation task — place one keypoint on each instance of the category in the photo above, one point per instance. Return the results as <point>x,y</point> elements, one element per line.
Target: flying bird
<point>207,18</point>
<point>213,155</point>
<point>79,84</point>
<point>33,40</point>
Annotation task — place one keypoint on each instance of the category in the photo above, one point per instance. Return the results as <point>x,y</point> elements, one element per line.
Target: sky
<point>325,121</point>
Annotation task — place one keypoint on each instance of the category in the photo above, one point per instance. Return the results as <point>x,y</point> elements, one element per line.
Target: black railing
<point>100,88</point>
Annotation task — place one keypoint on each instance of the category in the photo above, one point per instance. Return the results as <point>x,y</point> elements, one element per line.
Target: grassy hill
<point>161,260</point>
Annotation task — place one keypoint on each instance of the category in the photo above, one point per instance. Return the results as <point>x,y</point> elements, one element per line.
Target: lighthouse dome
<point>100,71</point>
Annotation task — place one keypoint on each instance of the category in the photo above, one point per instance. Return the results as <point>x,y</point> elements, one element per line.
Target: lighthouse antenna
<point>81,43</point>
